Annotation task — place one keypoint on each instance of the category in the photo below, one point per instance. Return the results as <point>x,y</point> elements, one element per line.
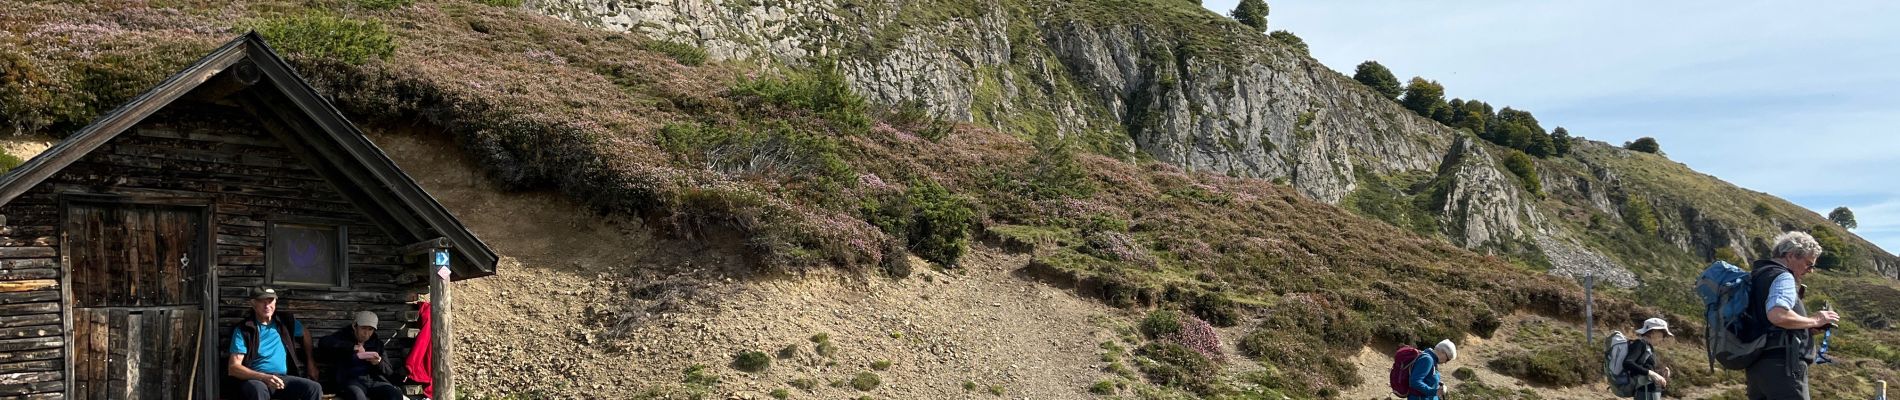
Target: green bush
<point>1835,253</point>
<point>1171,364</point>
<point>500,3</point>
<point>1054,172</point>
<point>933,222</point>
<point>684,53</point>
<point>1640,215</point>
<point>781,394</point>
<point>805,384</point>
<point>1644,144</point>
<point>1289,40</point>
<point>8,162</point>
<point>1464,373</point>
<point>1520,164</point>
<point>1161,323</point>
<point>751,361</point>
<point>329,36</point>
<point>1104,388</point>
<point>821,90</point>
<point>881,365</point>
<point>699,376</point>
<point>865,381</point>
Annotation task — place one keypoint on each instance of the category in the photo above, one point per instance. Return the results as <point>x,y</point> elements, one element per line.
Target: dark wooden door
<point>137,292</point>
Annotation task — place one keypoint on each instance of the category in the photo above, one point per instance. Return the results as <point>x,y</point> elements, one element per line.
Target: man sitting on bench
<point>262,361</point>
<point>354,357</point>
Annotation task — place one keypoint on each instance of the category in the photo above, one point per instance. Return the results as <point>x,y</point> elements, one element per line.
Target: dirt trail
<point>593,307</point>
<point>586,306</point>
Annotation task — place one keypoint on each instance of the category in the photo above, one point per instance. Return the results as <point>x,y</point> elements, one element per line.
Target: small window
<point>310,255</point>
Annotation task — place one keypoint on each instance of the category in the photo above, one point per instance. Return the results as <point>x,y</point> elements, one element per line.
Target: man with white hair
<point>1781,371</point>
<point>354,356</point>
<point>1424,379</point>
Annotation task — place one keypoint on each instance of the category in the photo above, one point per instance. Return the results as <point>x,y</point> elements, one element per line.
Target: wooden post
<point>1589,309</point>
<point>442,337</point>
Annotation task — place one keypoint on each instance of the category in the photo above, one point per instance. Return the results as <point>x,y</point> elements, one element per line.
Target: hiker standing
<point>1642,359</point>
<point>1425,381</point>
<point>1781,371</point>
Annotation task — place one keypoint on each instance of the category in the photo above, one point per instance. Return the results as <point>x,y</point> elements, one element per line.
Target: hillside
<point>977,182</point>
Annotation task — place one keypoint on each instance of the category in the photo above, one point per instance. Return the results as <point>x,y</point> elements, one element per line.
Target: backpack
<point>1401,374</point>
<point>1734,338</point>
<point>1621,383</point>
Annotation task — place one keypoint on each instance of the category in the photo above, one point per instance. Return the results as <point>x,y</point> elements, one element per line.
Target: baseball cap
<point>366,318</point>
<point>263,293</point>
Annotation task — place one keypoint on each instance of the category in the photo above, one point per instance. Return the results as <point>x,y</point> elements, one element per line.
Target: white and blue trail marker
<point>440,259</point>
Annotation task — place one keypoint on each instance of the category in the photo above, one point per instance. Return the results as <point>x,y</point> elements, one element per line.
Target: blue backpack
<point>1734,338</point>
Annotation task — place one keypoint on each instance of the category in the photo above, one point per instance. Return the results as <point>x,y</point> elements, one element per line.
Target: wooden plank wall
<point>253,180</point>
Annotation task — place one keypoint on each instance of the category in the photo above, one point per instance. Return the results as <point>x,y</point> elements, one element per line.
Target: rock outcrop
<point>1242,106</point>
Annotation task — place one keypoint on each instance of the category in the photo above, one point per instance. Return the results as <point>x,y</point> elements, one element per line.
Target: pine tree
<point>1378,78</point>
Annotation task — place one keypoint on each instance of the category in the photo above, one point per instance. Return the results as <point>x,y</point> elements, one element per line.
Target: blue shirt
<point>270,348</point>
<point>1424,377</point>
<point>1783,293</point>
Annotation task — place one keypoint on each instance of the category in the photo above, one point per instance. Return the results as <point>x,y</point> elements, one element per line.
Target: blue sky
<point>1796,99</point>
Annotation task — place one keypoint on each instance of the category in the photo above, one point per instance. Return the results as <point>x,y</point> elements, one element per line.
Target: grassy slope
<point>546,104</point>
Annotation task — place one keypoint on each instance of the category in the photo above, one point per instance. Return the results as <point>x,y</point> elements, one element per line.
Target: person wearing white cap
<point>354,357</point>
<point>1424,379</point>
<point>1642,359</point>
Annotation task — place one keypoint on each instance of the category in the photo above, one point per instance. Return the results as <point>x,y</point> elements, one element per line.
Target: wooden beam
<point>425,246</point>
<point>237,77</point>
<point>27,285</point>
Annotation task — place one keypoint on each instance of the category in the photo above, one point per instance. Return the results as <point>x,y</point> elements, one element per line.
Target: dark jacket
<point>337,354</point>
<point>1641,359</point>
<point>281,321</point>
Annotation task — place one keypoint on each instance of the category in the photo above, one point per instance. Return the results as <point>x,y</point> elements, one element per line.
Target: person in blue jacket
<point>1425,377</point>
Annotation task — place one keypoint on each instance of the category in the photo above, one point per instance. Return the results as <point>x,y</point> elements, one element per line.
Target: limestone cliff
<point>1182,85</point>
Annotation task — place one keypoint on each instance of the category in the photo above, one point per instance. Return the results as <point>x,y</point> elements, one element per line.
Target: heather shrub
<point>384,4</point>
<point>1564,365</point>
<point>1171,364</point>
<point>500,3</point>
<point>1464,373</point>
<point>1116,246</point>
<point>776,150</point>
<point>320,35</point>
<point>684,53</point>
<point>751,361</point>
<point>1199,336</point>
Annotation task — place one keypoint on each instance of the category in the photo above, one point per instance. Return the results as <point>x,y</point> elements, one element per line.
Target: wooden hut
<point>232,174</point>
